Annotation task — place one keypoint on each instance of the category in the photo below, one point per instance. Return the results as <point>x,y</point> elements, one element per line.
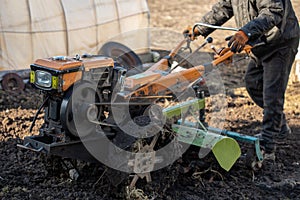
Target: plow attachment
<point>222,143</point>
<point>225,149</point>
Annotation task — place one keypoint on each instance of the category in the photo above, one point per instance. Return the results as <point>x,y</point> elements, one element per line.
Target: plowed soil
<point>29,175</point>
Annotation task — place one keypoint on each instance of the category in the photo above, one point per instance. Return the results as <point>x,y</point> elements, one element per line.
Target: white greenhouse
<point>31,29</point>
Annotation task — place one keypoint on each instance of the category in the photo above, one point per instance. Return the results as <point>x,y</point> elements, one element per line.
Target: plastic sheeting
<point>31,29</point>
<point>296,69</point>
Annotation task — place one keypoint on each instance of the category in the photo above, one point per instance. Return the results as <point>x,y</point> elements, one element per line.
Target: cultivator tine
<point>134,180</point>
<point>138,176</point>
<point>144,162</point>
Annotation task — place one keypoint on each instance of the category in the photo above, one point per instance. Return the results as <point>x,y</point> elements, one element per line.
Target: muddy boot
<point>268,155</point>
<point>271,127</point>
<point>285,130</point>
<point>284,133</point>
<point>267,148</point>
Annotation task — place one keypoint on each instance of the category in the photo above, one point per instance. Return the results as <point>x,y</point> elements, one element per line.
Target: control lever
<point>208,40</point>
<point>214,49</point>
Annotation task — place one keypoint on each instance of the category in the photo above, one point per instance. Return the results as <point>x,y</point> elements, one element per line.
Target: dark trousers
<point>266,81</point>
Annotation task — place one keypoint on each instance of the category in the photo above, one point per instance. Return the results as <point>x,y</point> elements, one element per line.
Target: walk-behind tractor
<point>136,120</point>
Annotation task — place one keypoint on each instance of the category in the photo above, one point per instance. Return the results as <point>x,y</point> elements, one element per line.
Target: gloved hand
<point>238,41</point>
<point>189,32</point>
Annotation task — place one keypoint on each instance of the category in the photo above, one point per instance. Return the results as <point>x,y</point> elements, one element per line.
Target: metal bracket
<point>27,146</point>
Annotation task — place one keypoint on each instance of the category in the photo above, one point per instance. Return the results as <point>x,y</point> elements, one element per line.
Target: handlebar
<point>228,54</point>
<point>214,27</point>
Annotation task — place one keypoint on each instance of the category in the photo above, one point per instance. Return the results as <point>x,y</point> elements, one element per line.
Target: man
<point>273,23</point>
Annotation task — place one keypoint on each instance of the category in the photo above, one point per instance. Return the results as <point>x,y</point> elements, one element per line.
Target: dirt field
<point>27,175</point>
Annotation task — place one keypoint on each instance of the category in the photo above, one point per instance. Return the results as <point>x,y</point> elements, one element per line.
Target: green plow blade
<point>225,149</point>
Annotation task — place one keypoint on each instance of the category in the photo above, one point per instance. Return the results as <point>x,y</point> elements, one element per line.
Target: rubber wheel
<point>12,82</point>
<point>76,113</point>
<point>126,57</point>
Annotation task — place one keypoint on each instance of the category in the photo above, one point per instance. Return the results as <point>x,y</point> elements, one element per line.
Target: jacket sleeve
<point>221,12</point>
<point>270,14</point>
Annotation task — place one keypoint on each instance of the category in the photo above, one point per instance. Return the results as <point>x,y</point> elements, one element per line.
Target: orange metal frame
<point>160,85</point>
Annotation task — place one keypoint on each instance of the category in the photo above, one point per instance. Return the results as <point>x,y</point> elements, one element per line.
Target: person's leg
<point>285,129</point>
<point>254,86</point>
<point>276,73</point>
<point>254,82</point>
